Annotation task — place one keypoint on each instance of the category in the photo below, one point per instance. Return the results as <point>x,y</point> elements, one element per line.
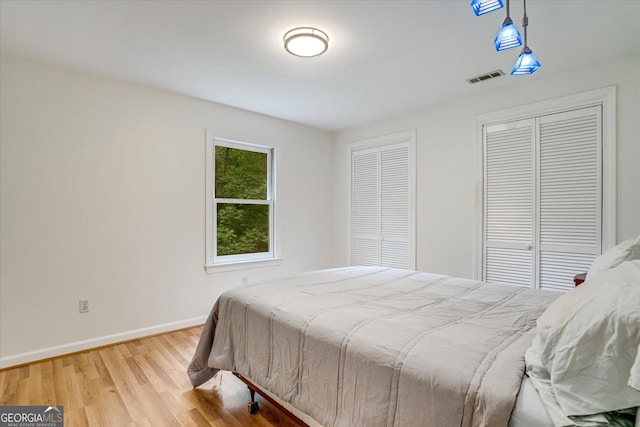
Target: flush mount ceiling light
<point>306,42</point>
<point>480,7</point>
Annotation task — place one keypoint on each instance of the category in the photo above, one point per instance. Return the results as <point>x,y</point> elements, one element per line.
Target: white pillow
<point>585,356</point>
<point>625,251</point>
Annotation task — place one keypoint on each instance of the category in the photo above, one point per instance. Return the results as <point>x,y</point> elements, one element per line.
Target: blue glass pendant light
<point>508,36</point>
<point>480,7</point>
<point>526,63</point>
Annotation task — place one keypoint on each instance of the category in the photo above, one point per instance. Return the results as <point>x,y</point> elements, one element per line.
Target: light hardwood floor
<point>137,383</point>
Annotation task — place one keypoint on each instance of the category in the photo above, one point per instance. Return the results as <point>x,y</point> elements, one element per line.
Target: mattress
<point>369,346</point>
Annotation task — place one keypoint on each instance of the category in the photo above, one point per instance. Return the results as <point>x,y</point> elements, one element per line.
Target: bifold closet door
<point>380,211</point>
<point>365,214</point>
<point>570,195</point>
<point>509,205</point>
<point>543,198</point>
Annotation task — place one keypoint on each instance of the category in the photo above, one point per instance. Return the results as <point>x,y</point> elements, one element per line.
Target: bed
<point>374,346</point>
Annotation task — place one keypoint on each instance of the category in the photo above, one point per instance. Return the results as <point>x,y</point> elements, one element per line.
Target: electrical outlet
<point>245,280</point>
<point>83,306</point>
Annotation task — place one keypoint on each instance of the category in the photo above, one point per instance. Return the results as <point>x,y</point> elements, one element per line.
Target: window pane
<point>242,229</point>
<point>240,174</point>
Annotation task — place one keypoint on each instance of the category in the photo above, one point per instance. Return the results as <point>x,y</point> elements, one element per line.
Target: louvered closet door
<point>394,206</point>
<point>364,210</point>
<point>543,198</point>
<point>509,202</point>
<point>569,195</point>
<point>381,198</point>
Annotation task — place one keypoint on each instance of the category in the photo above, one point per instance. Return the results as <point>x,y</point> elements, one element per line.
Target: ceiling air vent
<point>487,76</point>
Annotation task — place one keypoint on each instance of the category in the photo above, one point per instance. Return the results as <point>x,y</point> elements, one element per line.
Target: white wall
<point>102,197</point>
<point>446,143</point>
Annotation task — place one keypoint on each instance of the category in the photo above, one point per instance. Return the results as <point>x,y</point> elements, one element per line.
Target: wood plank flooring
<point>137,383</point>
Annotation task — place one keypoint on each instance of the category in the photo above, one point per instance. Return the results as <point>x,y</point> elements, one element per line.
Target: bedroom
<point>103,179</point>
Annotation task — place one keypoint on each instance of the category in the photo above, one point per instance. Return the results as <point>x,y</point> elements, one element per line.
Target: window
<point>382,218</point>
<point>240,203</point>
<point>547,208</point>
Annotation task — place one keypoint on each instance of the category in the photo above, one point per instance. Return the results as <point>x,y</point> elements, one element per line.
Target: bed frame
<point>253,406</point>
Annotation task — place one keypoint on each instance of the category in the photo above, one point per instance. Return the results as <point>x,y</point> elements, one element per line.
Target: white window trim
<point>213,263</point>
<point>606,97</point>
<point>407,136</point>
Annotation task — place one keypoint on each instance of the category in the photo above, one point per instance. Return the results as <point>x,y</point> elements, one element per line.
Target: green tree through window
<point>243,206</point>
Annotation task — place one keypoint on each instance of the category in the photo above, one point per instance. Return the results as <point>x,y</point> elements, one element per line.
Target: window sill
<point>241,265</point>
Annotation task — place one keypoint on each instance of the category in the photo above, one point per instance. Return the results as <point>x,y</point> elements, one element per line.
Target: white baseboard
<point>59,350</point>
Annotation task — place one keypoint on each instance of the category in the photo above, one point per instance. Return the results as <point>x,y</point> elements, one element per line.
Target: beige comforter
<point>371,346</point>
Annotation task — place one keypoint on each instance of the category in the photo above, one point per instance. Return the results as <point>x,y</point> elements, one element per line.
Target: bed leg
<point>253,406</point>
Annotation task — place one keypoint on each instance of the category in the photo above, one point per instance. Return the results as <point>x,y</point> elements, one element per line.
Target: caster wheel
<point>253,407</point>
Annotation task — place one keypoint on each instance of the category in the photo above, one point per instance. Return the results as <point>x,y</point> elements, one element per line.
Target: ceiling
<point>384,57</point>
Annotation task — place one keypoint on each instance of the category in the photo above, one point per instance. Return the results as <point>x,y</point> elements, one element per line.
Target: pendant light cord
<point>525,20</point>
